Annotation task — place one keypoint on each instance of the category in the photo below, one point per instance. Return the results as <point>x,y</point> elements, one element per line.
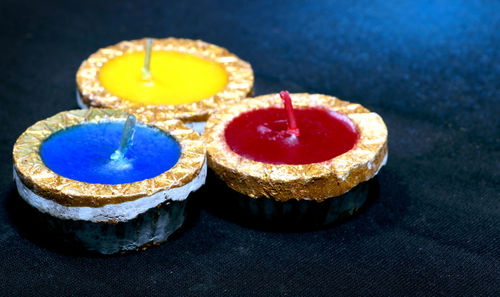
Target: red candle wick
<point>292,123</point>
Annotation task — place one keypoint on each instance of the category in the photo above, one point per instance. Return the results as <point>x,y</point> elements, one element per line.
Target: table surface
<point>430,69</point>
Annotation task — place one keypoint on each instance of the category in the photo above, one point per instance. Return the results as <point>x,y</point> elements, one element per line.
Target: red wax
<point>261,135</point>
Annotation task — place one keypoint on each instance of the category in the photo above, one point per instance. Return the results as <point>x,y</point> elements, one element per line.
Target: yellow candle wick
<point>146,71</point>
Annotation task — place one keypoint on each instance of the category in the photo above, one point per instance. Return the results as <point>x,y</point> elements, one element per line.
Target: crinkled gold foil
<point>239,86</point>
<point>46,183</point>
<point>317,181</point>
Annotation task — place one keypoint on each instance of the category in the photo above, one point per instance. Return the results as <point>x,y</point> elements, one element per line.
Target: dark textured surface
<point>431,69</point>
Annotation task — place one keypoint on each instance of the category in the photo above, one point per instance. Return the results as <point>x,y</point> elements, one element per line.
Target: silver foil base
<point>150,228</point>
<point>292,215</point>
<point>305,213</point>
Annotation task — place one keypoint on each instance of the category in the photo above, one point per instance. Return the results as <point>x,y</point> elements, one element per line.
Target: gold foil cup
<point>239,86</point>
<point>48,184</point>
<point>315,181</point>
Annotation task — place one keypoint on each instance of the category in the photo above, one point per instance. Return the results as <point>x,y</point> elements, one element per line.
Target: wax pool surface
<point>82,153</point>
<point>260,135</point>
<point>177,78</point>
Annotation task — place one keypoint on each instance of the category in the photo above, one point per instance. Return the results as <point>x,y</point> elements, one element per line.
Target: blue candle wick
<point>126,140</point>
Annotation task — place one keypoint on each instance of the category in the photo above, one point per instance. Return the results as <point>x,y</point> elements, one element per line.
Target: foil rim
<point>315,181</point>
<point>239,86</point>
<point>68,192</point>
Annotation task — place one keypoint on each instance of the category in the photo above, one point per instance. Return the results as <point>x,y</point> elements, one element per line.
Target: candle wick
<point>146,71</point>
<point>292,123</point>
<point>126,140</point>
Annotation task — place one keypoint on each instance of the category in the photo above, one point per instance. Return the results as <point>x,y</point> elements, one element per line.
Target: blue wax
<point>83,152</point>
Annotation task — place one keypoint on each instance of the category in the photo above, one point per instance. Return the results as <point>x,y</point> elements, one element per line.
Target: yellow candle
<point>176,78</point>
<point>186,79</point>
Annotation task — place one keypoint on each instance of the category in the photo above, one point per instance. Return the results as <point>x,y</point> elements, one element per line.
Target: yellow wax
<point>176,78</point>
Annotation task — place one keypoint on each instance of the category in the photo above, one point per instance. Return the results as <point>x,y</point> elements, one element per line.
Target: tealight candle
<point>263,135</point>
<point>314,156</point>
<point>84,153</point>
<point>167,78</point>
<point>106,181</point>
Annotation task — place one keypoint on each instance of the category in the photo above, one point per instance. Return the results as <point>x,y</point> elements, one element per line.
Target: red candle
<point>295,161</point>
<point>287,136</point>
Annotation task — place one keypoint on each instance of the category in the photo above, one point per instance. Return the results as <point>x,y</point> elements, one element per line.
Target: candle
<point>185,79</point>
<point>176,78</point>
<point>262,135</point>
<point>84,153</point>
<point>308,148</point>
<point>109,183</point>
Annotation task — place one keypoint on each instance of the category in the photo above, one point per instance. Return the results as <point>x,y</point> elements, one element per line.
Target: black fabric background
<point>431,69</point>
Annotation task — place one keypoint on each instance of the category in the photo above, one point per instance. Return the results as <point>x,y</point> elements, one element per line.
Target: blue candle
<point>84,153</point>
